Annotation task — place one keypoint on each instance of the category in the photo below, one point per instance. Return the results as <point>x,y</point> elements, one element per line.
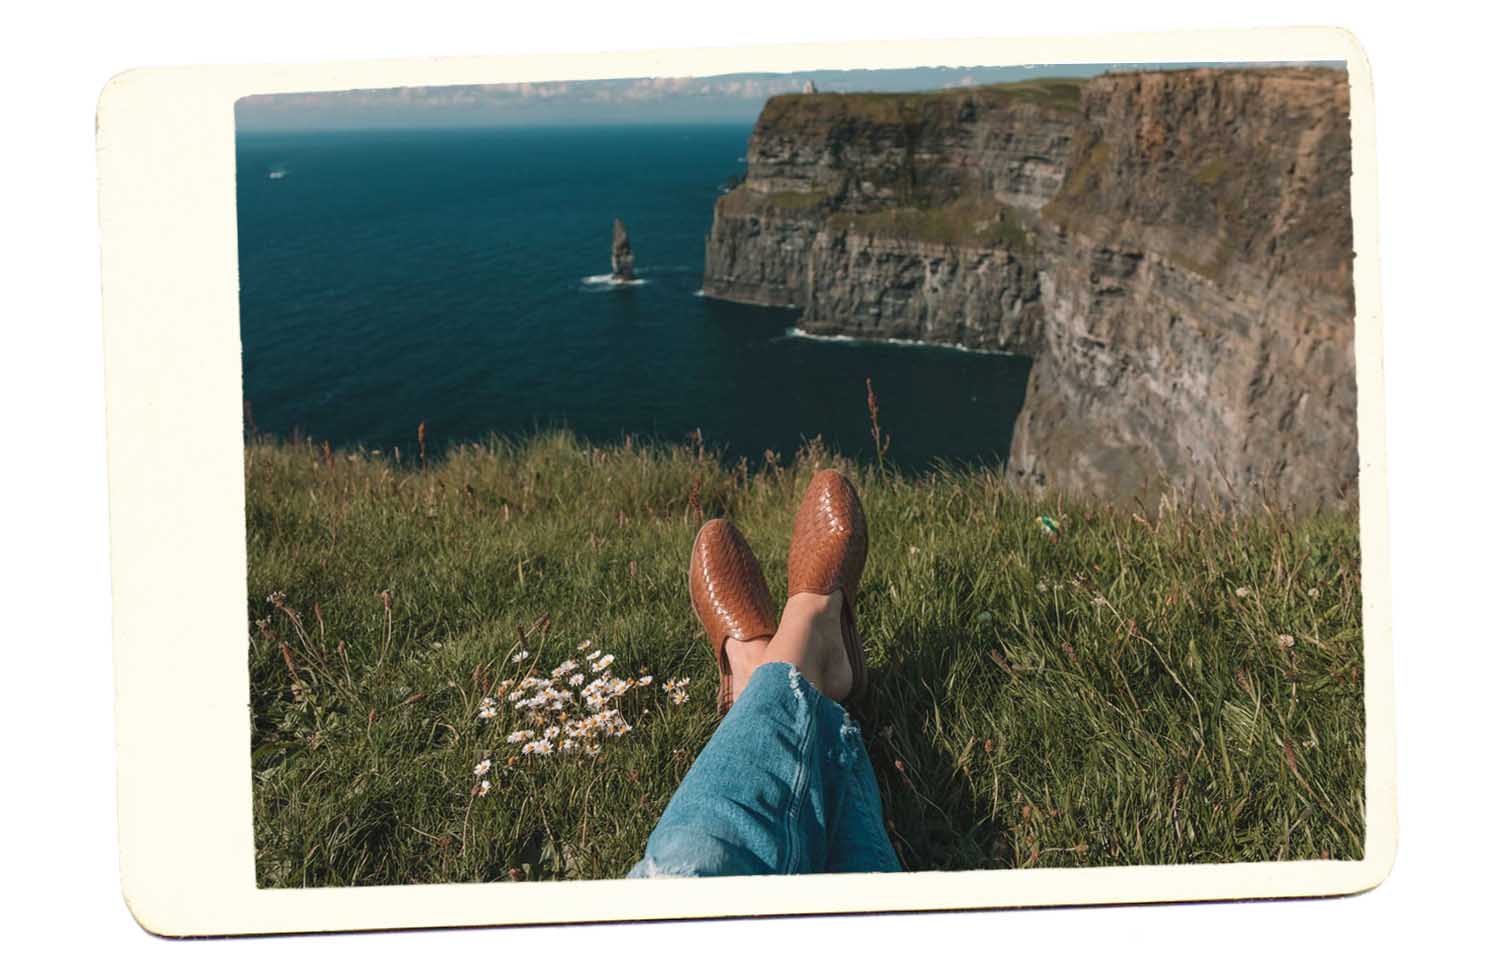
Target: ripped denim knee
<point>684,851</point>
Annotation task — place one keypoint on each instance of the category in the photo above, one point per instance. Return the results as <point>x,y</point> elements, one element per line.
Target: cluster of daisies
<point>676,689</point>
<point>572,710</point>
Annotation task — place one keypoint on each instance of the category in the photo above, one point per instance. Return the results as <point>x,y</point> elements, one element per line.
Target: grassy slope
<point>1103,699</point>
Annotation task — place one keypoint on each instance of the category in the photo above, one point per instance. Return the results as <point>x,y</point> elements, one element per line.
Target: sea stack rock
<point>809,87</point>
<point>621,260</point>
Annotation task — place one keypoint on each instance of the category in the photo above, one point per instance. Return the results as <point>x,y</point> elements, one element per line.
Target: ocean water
<point>457,278</point>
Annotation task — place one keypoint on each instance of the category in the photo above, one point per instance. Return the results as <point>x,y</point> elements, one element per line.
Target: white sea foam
<point>607,281</point>
<point>799,334</point>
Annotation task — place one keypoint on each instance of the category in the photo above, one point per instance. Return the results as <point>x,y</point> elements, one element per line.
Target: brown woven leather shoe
<point>829,545</point>
<point>730,595</point>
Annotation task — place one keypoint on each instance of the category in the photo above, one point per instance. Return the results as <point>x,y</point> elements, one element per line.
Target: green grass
<point>1210,172</point>
<point>797,200</point>
<point>1104,698</point>
<point>1082,179</point>
<point>742,200</point>
<point>970,220</point>
<point>901,107</point>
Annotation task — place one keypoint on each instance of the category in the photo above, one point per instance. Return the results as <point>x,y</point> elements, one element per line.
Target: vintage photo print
<point>912,476</point>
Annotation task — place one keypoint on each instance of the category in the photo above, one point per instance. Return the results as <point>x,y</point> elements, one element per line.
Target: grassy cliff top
<point>1057,94</point>
<point>887,107</point>
<point>1125,690</point>
<point>1301,72</point>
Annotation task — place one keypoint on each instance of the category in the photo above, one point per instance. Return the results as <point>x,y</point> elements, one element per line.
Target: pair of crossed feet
<point>816,632</point>
<point>809,637</point>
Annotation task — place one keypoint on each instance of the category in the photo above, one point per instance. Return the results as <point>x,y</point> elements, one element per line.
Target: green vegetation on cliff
<point>896,107</point>
<point>1129,689</point>
<point>974,220</point>
<point>742,200</point>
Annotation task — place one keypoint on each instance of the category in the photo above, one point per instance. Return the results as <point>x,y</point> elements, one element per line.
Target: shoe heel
<point>855,648</point>
<point>726,682</point>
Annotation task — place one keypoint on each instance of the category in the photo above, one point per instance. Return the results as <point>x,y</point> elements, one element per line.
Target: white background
<point>1433,76</point>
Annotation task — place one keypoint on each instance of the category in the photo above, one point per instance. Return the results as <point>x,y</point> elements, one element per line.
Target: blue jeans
<point>784,786</point>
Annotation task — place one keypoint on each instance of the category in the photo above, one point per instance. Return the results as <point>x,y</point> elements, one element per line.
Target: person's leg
<point>760,796</point>
<point>785,784</point>
<point>857,841</point>
<point>811,636</point>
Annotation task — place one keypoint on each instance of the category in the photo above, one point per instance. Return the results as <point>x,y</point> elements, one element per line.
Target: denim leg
<point>857,838</point>
<point>782,787</point>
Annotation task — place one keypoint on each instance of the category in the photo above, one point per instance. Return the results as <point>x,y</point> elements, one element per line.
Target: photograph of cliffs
<point>1077,339</point>
<point>1174,250</point>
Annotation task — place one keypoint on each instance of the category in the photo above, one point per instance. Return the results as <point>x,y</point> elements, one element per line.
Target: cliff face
<point>1200,292</point>
<point>891,215</point>
<point>872,151</point>
<point>1174,249</point>
<point>885,286</point>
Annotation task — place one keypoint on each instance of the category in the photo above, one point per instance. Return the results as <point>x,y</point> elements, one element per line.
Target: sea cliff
<point>1173,248</point>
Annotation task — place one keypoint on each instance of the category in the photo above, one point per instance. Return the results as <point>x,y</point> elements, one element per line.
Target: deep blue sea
<point>453,278</point>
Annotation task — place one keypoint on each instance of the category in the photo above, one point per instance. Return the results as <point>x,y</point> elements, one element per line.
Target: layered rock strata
<point>621,259</point>
<point>1173,248</point>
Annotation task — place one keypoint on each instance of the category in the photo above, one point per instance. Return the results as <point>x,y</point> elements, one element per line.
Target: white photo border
<point>166,158</point>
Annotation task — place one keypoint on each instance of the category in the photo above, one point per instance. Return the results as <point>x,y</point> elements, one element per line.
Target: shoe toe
<point>829,538</point>
<point>728,588</point>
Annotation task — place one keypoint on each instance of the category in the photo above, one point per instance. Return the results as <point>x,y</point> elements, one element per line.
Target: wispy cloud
<point>490,98</point>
